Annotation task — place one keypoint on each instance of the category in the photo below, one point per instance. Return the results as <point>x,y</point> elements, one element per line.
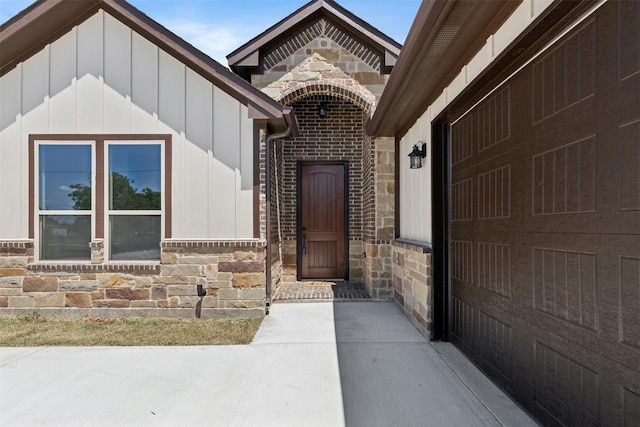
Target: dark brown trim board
<point>100,141</point>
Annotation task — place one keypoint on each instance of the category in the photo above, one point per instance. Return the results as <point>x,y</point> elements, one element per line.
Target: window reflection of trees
<point>123,195</point>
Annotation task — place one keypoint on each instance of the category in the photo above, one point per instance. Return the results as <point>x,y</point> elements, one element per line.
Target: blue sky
<point>217,27</point>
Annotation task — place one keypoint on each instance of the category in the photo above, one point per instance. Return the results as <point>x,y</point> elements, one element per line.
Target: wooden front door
<point>322,222</point>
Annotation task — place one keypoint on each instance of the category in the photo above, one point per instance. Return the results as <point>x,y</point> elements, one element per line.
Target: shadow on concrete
<point>391,376</point>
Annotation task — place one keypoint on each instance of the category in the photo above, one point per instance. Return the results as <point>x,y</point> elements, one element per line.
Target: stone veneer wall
<point>231,273</point>
<point>379,224</point>
<point>413,282</point>
<point>351,61</point>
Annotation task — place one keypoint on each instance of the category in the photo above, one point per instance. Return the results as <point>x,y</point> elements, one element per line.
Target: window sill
<point>119,267</point>
<point>413,245</point>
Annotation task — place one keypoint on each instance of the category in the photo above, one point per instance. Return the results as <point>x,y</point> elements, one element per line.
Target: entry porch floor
<point>321,291</point>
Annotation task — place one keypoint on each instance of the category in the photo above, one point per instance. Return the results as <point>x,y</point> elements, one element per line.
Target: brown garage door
<point>545,226</point>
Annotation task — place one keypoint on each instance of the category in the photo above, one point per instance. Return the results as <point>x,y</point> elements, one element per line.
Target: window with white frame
<point>110,190</point>
<point>65,183</point>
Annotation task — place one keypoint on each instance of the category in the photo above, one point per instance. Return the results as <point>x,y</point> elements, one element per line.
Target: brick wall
<point>338,137</point>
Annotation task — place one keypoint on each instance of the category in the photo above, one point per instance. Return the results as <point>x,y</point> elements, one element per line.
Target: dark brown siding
<point>545,227</point>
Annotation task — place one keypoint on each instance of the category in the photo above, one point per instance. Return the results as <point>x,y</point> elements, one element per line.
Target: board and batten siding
<point>104,78</point>
<point>415,186</point>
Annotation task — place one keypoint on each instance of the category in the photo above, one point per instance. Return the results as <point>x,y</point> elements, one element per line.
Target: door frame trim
<point>299,165</point>
<point>441,179</point>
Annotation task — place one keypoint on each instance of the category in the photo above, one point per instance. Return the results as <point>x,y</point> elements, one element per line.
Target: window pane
<point>135,237</point>
<point>134,177</point>
<point>65,177</point>
<point>65,237</point>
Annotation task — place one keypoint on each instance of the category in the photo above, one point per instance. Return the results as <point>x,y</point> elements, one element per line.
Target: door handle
<point>304,241</point>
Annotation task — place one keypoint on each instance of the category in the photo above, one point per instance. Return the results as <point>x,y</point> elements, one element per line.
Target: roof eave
<point>420,75</point>
<point>29,31</point>
<point>247,56</point>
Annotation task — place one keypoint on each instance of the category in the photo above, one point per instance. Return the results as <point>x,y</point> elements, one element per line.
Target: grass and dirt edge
<point>37,330</point>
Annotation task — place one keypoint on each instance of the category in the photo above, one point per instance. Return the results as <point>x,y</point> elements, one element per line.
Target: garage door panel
<point>545,226</point>
<point>564,178</point>
<point>565,389</point>
<point>628,40</point>
<point>628,139</point>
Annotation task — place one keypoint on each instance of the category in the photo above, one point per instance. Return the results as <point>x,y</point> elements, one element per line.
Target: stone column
<point>378,268</point>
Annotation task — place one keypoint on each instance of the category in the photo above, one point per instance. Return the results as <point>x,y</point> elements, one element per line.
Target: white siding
<point>13,211</point>
<point>245,205</point>
<point>415,185</point>
<point>226,130</point>
<point>117,76</point>
<point>90,108</point>
<point>144,84</point>
<point>415,194</point>
<point>102,77</point>
<point>62,86</point>
<point>197,154</point>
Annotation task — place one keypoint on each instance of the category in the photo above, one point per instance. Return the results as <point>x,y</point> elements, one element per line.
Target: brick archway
<point>366,101</point>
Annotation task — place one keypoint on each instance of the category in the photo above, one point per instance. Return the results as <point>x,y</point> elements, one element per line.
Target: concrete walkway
<point>311,364</point>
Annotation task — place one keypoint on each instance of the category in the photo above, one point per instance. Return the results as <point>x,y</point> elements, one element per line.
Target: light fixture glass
<point>323,110</point>
<point>416,156</point>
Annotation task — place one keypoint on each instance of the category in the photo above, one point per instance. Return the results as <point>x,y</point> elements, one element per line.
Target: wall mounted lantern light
<point>416,156</point>
<point>322,110</point>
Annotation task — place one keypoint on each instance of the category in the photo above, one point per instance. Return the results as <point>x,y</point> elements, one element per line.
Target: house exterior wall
<point>412,282</point>
<point>325,41</point>
<point>379,220</point>
<point>337,138</point>
<point>231,273</point>
<point>415,206</point>
<point>543,249</point>
<point>104,78</point>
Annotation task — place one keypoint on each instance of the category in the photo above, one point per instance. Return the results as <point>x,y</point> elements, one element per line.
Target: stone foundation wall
<point>231,273</point>
<point>377,271</point>
<point>289,268</point>
<point>413,282</point>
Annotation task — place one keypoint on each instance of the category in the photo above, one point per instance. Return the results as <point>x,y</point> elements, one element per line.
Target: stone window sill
<point>413,245</point>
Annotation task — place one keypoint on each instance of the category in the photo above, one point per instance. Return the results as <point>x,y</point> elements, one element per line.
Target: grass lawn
<point>35,330</point>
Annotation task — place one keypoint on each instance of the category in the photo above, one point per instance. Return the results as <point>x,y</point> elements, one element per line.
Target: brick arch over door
<point>366,100</point>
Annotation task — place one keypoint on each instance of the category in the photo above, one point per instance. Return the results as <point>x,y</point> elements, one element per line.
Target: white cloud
<point>217,42</point>
<point>65,188</point>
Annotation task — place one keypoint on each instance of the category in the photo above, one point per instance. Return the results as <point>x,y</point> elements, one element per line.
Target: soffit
<point>45,21</point>
<point>444,35</point>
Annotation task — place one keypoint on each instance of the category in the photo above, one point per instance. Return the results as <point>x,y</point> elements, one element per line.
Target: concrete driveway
<point>310,364</point>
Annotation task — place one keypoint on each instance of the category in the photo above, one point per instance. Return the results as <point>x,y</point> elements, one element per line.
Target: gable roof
<point>47,20</point>
<point>246,59</point>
